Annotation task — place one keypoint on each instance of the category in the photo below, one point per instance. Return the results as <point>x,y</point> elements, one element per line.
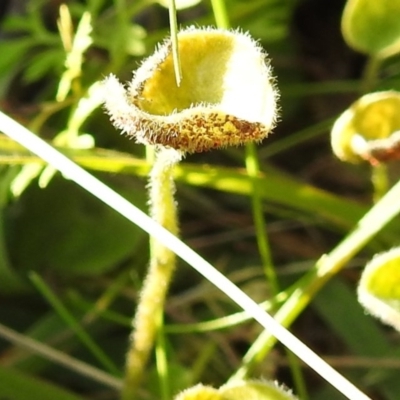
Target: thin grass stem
<point>173,23</point>
<point>60,358</point>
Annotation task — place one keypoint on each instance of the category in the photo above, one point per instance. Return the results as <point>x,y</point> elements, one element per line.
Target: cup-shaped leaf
<point>240,390</point>
<point>372,26</point>
<point>368,129</point>
<point>379,287</point>
<point>199,392</point>
<point>226,97</point>
<point>254,390</point>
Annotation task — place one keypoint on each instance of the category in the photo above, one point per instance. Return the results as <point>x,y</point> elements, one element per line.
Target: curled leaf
<point>369,129</point>
<point>227,95</point>
<point>379,287</point>
<point>255,390</point>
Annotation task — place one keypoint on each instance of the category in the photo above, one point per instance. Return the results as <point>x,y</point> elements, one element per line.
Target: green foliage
<point>92,261</point>
<point>80,248</point>
<point>19,386</point>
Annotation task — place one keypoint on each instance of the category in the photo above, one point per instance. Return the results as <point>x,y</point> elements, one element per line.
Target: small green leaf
<point>28,173</point>
<point>75,48</point>
<point>135,46</point>
<point>372,26</point>
<point>128,39</point>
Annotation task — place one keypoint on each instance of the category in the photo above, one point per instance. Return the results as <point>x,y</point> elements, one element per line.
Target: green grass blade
<point>274,186</point>
<point>84,337</point>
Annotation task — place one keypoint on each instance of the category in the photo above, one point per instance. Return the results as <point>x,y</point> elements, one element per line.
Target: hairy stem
<point>161,268</point>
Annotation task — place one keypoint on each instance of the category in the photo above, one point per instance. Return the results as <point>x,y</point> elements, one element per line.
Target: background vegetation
<point>71,268</point>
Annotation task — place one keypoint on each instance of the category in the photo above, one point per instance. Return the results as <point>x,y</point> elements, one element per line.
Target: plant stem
<point>162,266</point>
<point>59,357</point>
<point>379,174</point>
<point>370,74</point>
<point>380,180</point>
<point>220,14</point>
<point>253,171</point>
<point>161,360</point>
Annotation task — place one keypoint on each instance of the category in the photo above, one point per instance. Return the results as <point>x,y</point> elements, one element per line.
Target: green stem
<point>380,181</point>
<point>220,14</point>
<point>10,282</point>
<point>161,360</point>
<point>162,266</point>
<point>253,171</point>
<point>379,177</point>
<point>296,370</point>
<point>59,357</point>
<point>370,75</point>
